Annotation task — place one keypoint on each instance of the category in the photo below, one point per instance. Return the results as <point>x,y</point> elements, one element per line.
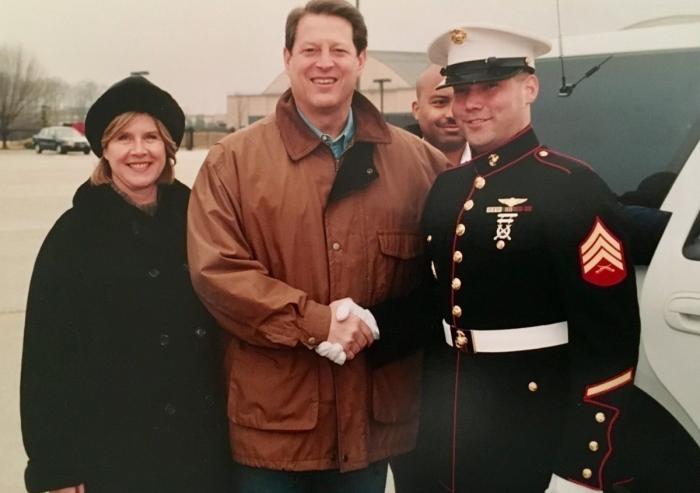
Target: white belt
<point>507,340</point>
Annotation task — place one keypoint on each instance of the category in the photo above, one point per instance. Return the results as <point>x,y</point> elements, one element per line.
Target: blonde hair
<point>102,173</point>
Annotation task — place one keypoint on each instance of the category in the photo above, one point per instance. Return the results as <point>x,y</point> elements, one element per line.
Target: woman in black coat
<point>121,388</point>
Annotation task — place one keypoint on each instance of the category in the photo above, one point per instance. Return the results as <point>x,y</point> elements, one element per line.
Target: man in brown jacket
<point>315,204</point>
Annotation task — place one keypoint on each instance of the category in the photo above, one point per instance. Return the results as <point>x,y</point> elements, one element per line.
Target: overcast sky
<point>202,50</point>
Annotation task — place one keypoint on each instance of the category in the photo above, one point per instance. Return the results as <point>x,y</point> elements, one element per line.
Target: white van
<point>638,116</point>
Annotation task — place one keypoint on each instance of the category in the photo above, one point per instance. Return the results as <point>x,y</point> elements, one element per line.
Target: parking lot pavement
<point>12,458</point>
<point>34,190</point>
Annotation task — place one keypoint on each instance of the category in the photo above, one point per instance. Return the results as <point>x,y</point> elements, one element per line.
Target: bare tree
<point>83,94</point>
<point>48,101</point>
<point>20,83</point>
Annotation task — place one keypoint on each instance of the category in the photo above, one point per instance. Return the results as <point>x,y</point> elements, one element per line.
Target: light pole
<point>381,92</point>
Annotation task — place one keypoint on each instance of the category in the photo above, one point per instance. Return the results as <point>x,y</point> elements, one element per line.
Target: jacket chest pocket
<point>396,267</point>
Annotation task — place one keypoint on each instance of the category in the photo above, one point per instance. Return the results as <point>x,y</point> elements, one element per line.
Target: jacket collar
<point>299,140</point>
<point>99,200</point>
<point>491,162</point>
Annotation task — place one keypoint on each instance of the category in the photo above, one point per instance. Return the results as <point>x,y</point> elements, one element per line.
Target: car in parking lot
<point>60,139</point>
<point>636,120</point>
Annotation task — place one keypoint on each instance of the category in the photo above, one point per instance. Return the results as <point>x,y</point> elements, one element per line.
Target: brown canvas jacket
<point>275,235</point>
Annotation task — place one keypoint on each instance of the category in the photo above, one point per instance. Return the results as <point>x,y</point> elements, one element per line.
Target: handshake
<point>353,328</point>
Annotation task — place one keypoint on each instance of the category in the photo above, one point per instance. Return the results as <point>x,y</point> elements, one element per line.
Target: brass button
<point>461,339</point>
<point>500,244</point>
<point>532,386</point>
<point>479,182</point>
<point>457,256</point>
<point>543,154</point>
<point>429,238</point>
<point>456,283</point>
<point>493,159</point>
<point>335,246</point>
<point>593,446</point>
<point>456,311</point>
<point>468,205</point>
<point>600,417</point>
<point>461,228</point>
<point>587,473</point>
<point>311,340</point>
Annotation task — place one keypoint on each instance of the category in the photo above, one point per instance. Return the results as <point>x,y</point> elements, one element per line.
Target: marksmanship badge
<point>506,213</point>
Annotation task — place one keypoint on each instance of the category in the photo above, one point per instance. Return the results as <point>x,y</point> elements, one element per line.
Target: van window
<point>635,121</point>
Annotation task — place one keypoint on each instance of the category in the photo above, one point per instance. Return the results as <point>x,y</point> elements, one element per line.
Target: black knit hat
<point>137,94</point>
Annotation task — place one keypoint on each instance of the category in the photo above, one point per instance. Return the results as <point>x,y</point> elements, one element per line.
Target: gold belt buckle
<point>461,340</point>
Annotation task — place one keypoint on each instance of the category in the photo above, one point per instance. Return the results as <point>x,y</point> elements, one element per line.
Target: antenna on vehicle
<point>567,89</point>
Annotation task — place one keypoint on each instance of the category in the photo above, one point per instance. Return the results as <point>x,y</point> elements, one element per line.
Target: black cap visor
<point>491,69</point>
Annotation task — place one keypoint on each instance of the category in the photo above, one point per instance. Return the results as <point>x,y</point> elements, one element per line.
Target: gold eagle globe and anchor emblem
<point>458,36</point>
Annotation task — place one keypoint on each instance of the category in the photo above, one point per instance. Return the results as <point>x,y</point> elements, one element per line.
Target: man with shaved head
<point>432,109</point>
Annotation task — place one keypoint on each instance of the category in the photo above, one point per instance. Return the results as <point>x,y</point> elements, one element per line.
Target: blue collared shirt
<point>342,142</point>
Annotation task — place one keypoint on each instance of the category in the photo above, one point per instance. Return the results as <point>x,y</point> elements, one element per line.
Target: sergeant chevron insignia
<point>602,257</point>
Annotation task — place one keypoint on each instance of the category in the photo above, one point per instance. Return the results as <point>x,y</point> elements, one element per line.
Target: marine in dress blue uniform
<point>537,295</point>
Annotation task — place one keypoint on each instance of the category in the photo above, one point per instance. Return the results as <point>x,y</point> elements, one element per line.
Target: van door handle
<point>683,312</point>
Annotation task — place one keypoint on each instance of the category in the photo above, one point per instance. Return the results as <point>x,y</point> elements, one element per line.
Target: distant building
<point>401,68</point>
<point>207,122</point>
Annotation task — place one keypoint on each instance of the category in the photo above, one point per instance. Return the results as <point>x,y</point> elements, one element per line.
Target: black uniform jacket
<point>120,371</point>
<point>526,236</point>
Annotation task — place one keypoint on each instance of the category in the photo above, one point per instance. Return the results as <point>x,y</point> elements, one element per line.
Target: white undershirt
<point>466,155</point>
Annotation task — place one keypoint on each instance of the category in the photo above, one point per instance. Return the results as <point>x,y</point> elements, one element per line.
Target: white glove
<point>560,485</point>
<point>347,307</point>
<point>333,350</point>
